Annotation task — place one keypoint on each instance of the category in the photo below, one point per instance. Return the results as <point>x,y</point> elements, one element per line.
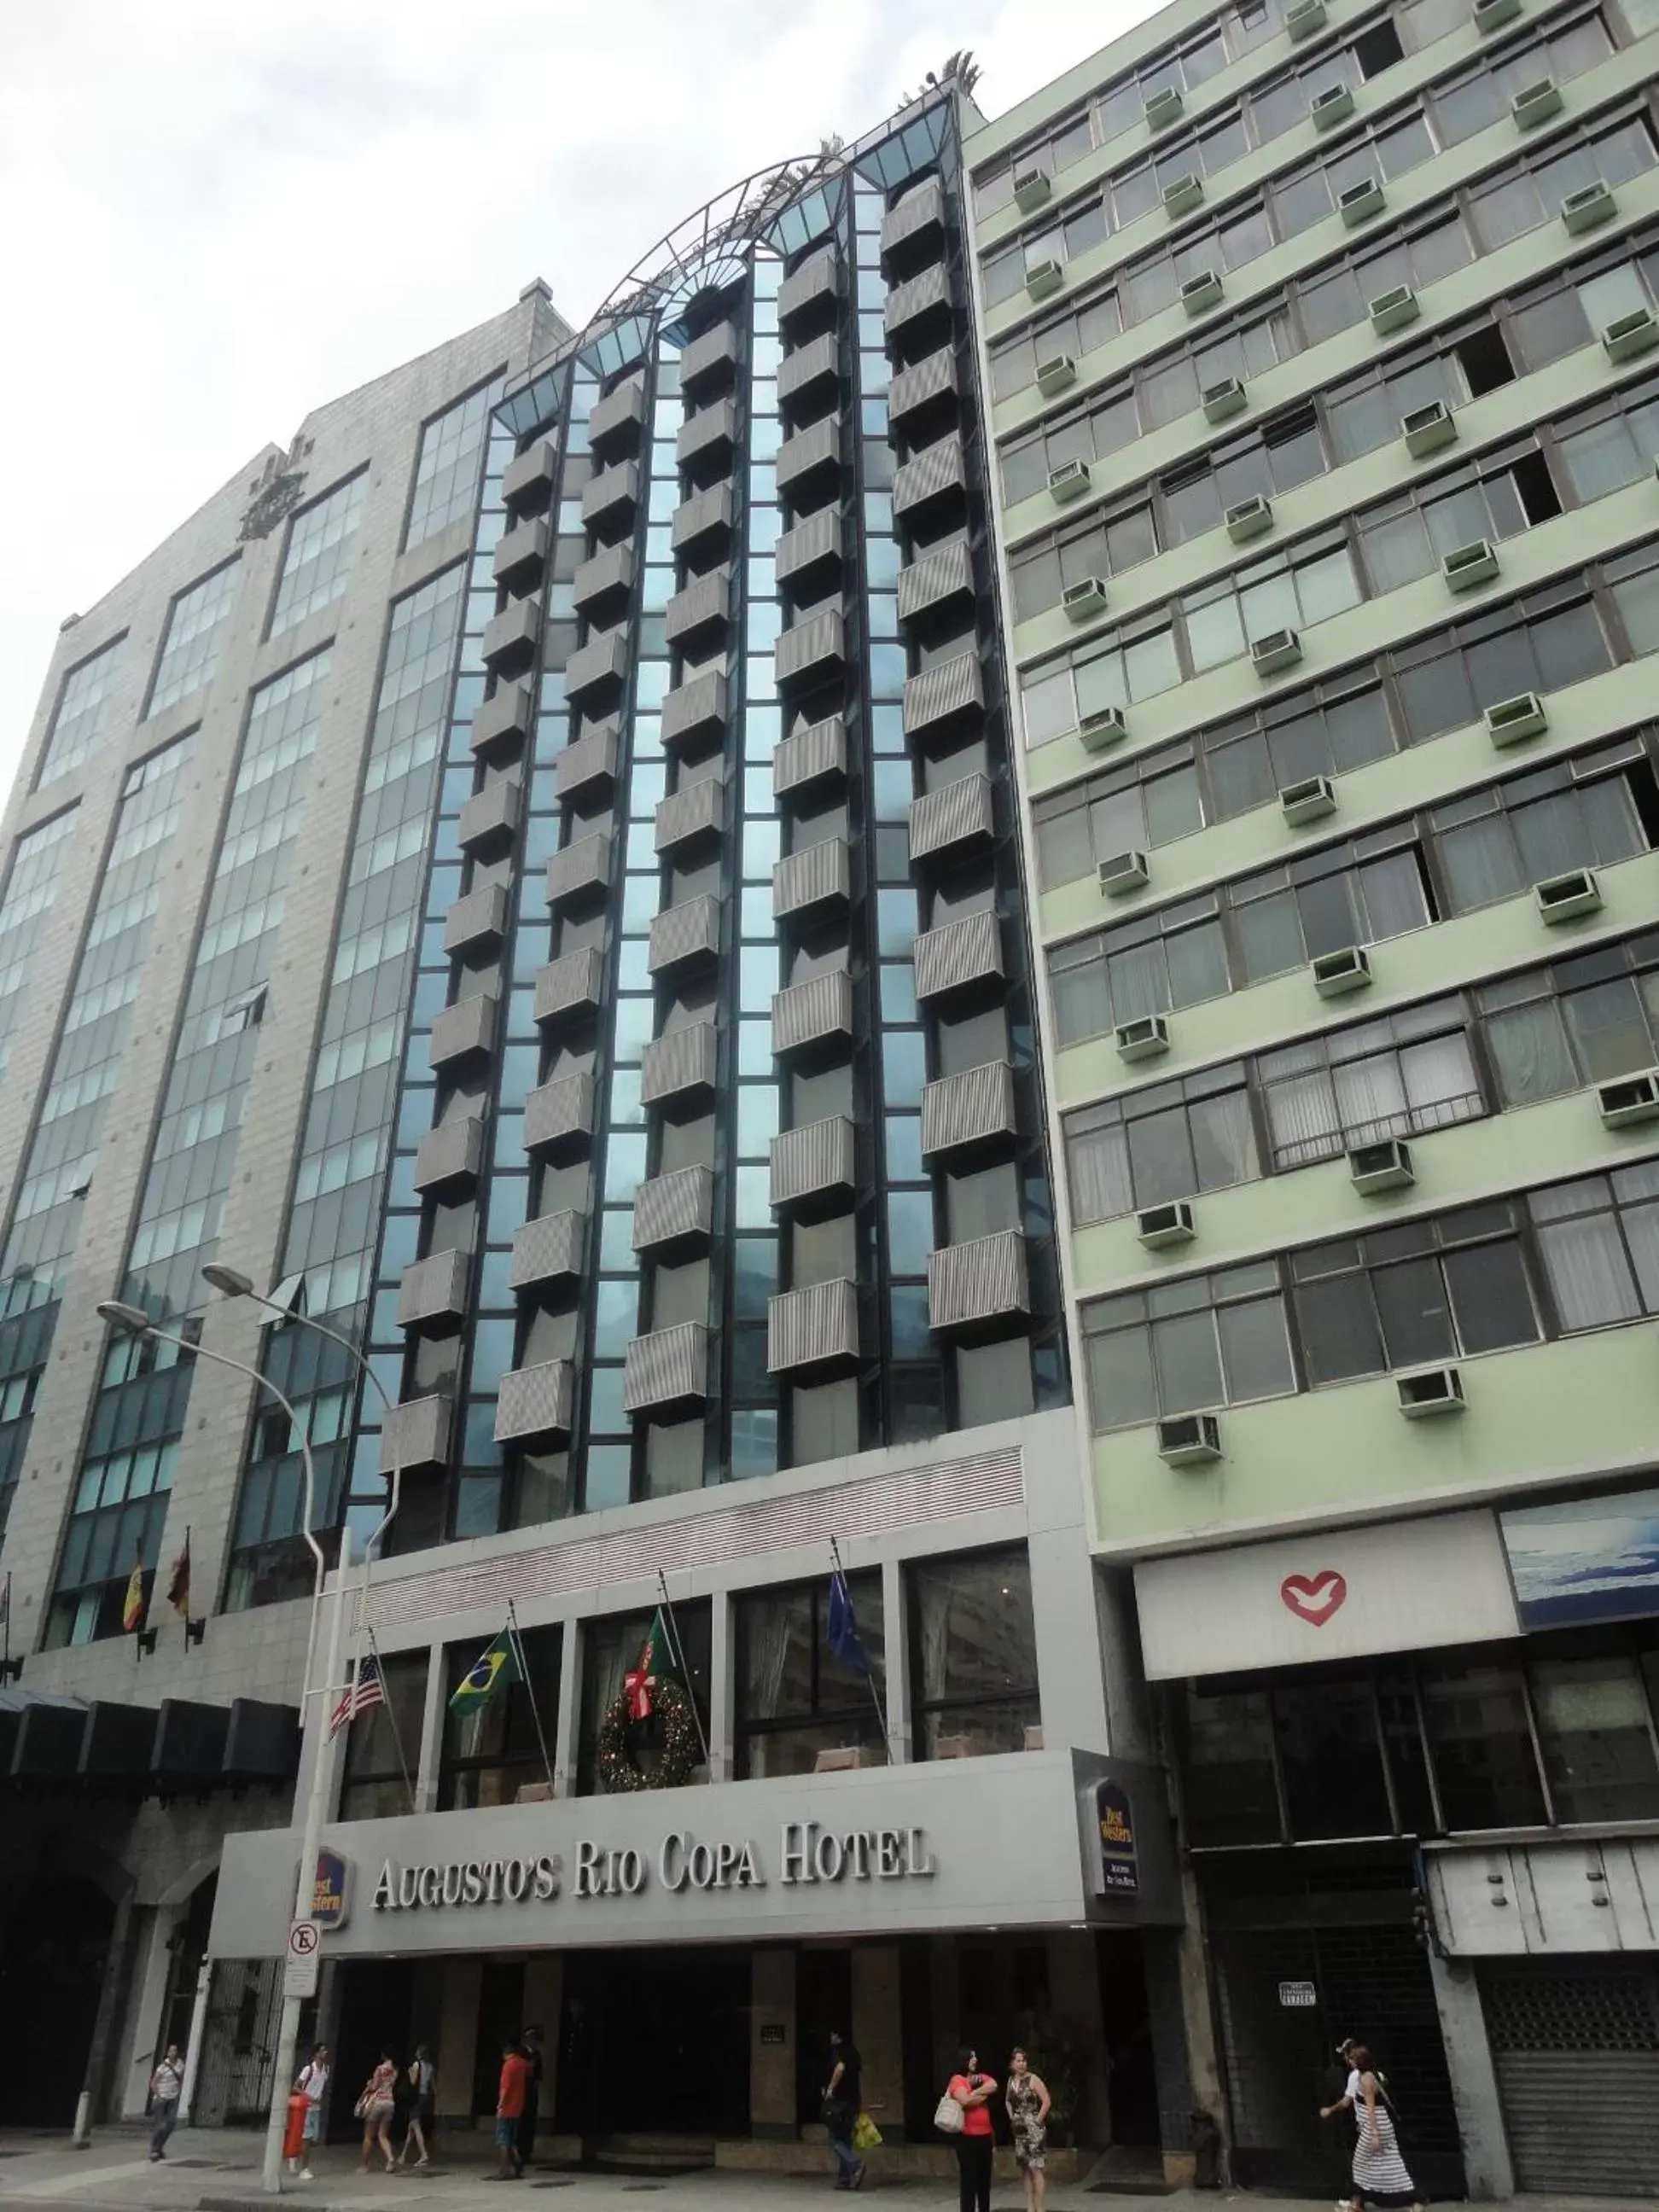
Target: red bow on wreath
<point>638,1683</point>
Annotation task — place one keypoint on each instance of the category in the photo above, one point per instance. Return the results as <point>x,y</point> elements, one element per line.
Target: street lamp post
<point>137,1322</point>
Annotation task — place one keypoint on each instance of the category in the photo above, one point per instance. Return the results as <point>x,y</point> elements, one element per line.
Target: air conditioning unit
<point>1512,720</point>
<point>1466,566</point>
<point>1162,107</point>
<point>1336,974</point>
<point>1280,649</point>
<point>1386,1166</point>
<point>1068,482</point>
<point>1565,897</point>
<point>1083,599</point>
<point>1304,19</point>
<point>1042,278</point>
<point>1394,309</point>
<point>1427,429</point>
<point>1054,375</point>
<point>1493,14</point>
<point>1249,519</point>
<point>1309,800</point>
<point>1360,203</point>
<point>1158,1227</point>
<point>1033,188</point>
<point>1629,1099</point>
<point>1188,1439</point>
<point>1200,292</point>
<point>1431,1390</point>
<point>1122,872</point>
<point>1103,729</point>
<point>1588,207</point>
<point>1183,196</point>
<point>1629,335</point>
<point>1223,399</point>
<point>1536,104</point>
<point>1335,105</point>
<point>1145,1039</point>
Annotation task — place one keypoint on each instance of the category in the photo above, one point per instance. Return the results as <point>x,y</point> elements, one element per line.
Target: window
<point>1330,1758</point>
<point>1400,1077</point>
<point>1359,893</point>
<point>190,652</point>
<point>1596,1738</point>
<point>1474,1711</point>
<point>1215,1339</point>
<point>610,1647</point>
<point>78,720</point>
<point>795,1699</point>
<point>319,541</point>
<point>1586,812</point>
<point>486,1755</point>
<point>1230,1790</point>
<point>973,1657</point>
<point>1169,1141</point>
<point>382,1746</point>
<point>1584,1020</point>
<point>1599,1239</point>
<point>447,467</point>
<point>1173,956</point>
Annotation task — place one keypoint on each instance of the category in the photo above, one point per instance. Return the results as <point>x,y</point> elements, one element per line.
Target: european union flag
<point>843,1625</point>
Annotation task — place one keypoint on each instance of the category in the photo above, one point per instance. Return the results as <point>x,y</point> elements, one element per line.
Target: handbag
<point>948,2115</point>
<point>360,2110</point>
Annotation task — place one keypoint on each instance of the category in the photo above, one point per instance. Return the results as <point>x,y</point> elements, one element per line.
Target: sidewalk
<point>217,2170</point>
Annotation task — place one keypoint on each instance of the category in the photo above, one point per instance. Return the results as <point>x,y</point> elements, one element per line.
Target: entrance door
<point>377,1999</point>
<point>1127,2020</point>
<point>1576,2050</point>
<point>51,1969</point>
<point>655,2043</point>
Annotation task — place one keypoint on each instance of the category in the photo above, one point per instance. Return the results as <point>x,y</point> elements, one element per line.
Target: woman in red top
<point>974,2091</point>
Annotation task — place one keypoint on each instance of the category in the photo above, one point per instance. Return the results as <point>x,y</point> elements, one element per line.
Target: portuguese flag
<point>492,1670</point>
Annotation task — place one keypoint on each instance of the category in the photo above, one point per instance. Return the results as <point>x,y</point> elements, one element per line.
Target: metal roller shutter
<point>1576,2050</point>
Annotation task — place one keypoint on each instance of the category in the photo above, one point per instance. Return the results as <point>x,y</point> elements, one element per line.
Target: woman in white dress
<point>1380,2175</point>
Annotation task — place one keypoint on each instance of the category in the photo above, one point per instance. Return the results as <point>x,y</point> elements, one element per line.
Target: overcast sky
<point>216,218</point>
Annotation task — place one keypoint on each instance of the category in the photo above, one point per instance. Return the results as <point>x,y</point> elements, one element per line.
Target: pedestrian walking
<point>420,2082</point>
<point>531,2045</point>
<point>1380,2174</point>
<point>843,2101</point>
<point>509,2109</point>
<point>973,2091</point>
<point>1029,2103</point>
<point>166,2086</point>
<point>311,2084</point>
<point>374,2109</point>
<point>1333,2088</point>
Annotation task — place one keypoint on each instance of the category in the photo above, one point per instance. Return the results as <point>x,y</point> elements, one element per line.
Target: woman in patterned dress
<point>1028,2118</point>
<point>1380,2175</point>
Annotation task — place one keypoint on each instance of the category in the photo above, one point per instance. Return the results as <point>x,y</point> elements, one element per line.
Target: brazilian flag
<point>490,1671</point>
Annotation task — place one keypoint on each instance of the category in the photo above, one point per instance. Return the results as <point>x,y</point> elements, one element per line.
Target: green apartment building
<point>1322,370</point>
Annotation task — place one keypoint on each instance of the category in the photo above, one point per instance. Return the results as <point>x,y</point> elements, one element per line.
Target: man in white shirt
<point>166,2085</point>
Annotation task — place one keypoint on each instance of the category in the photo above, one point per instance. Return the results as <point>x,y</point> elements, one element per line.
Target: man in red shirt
<point>509,2108</point>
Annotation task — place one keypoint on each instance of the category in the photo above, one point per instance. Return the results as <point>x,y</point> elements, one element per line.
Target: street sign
<point>1297,1995</point>
<point>301,1966</point>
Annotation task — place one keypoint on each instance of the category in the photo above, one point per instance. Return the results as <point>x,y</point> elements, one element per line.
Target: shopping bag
<point>947,2117</point>
<point>866,2136</point>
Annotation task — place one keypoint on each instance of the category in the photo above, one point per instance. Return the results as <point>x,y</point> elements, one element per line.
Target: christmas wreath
<point>643,1694</point>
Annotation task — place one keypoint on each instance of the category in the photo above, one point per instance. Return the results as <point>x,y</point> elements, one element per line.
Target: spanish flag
<point>132,1605</point>
<point>490,1671</point>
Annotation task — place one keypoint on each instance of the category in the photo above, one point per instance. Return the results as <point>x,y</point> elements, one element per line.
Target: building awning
<point>107,1748</point>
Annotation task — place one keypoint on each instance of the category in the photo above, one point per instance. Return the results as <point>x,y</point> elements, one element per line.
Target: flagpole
<point>513,1629</point>
<point>391,1711</point>
<point>869,1675</point>
<point>678,1654</point>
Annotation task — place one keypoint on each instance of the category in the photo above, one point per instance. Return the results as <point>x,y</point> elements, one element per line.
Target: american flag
<point>362,1696</point>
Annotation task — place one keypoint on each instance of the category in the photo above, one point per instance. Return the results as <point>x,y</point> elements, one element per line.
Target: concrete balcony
<point>815,755</point>
<point>961,954</point>
<point>809,374</point>
<point>816,882</point>
<point>705,442</point>
<point>450,1156</point>
<point>695,711</point>
<point>489,820</point>
<point>814,652</point>
<point>680,1065</point>
<point>702,611</point>
<point>502,724</point>
<point>913,232</point>
<point>813,288</point>
<point>616,423</point>
<point>414,1436</point>
<point>478,918</point>
<point>972,1288</point>
<point>609,498</point>
<point>432,1294</point>
<point>549,1250</point>
<point>957,819</point>
<point>601,587</point>
<point>674,1211</point>
<point>466,1031</point>
<point>694,811</point>
<point>815,1329</point>
<point>578,873</point>
<point>509,638</point>
<point>521,554</point>
<point>813,1014</point>
<point>810,553</point>
<point>703,524</point>
<point>558,1116</point>
<point>596,672</point>
<point>941,697</point>
<point>709,361</point>
<point>589,767</point>
<point>668,1368</point>
<point>939,580</point>
<point>813,1167</point>
<point>808,463</point>
<point>936,478</point>
<point>969,1112</point>
<point>571,987</point>
<point>921,392</point>
<point>919,306</point>
<point>535,1403</point>
<point>683,937</point>
<point>529,479</point>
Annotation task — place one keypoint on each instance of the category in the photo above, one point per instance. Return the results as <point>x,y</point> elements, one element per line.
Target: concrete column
<point>432,1732</point>
<point>722,1692</point>
<point>896,1642</point>
<point>149,1988</point>
<point>543,2005</point>
<point>1074,2003</point>
<point>771,2062</point>
<point>457,2039</point>
<point>1065,1617</point>
<point>117,1980</point>
<point>878,2035</point>
<point>1192,1969</point>
<point>1480,2110</point>
<point>567,1729</point>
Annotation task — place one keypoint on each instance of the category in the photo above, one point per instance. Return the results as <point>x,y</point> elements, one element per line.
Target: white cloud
<point>219,218</point>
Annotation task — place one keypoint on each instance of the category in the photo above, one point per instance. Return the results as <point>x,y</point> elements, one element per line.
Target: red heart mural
<point>1314,1598</point>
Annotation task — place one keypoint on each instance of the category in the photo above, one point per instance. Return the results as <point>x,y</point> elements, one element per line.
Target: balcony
<point>466,1031</point>
<point>814,1328</point>
<point>509,638</point>
<point>596,672</point>
<point>815,882</point>
<point>500,726</point>
<point>813,288</point>
<point>558,1116</point>
<point>668,1368</point>
<point>685,935</point>
<point>812,372</point>
<point>528,480</point>
<point>815,755</point>
<point>940,697</point>
<point>814,652</point>
<point>578,873</point>
<point>588,768</point>
<point>449,1157</point>
<point>521,554</point>
<point>937,477</point>
<point>701,611</point>
<point>808,463</point>
<point>813,1167</point>
<point>959,818</point>
<point>918,392</point>
<point>674,1211</point>
<point>705,442</point>
<point>812,1013</point>
<point>961,954</point>
<point>913,232</point>
<point>414,1437</point>
<point>549,1250</point>
<point>939,580</point>
<point>680,1065</point>
<point>916,309</point>
<point>535,1403</point>
<point>694,811</point>
<point>615,423</point>
<point>478,919</point>
<point>601,586</point>
<point>810,552</point>
<point>710,362</point>
<point>609,498</point>
<point>432,1295</point>
<point>571,987</point>
<point>972,1289</point>
<point>970,1112</point>
<point>703,524</point>
<point>695,712</point>
<point>489,820</point>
